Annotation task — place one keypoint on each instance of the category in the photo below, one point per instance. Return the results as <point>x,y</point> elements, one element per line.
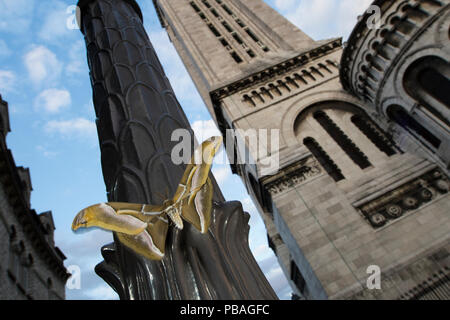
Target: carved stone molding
<point>293,175</point>
<point>289,84</point>
<point>371,54</point>
<point>408,197</point>
<point>279,69</point>
<point>436,287</point>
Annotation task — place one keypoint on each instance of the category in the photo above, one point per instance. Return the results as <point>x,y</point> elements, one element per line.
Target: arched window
<point>371,131</point>
<point>428,82</point>
<point>400,116</point>
<point>266,93</point>
<point>274,89</point>
<point>283,86</point>
<point>328,130</point>
<point>258,96</point>
<point>342,140</point>
<point>298,278</point>
<point>291,83</point>
<point>300,79</point>
<point>249,101</point>
<point>323,158</point>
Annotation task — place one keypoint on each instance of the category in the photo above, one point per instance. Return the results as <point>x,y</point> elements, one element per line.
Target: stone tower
<point>347,196</point>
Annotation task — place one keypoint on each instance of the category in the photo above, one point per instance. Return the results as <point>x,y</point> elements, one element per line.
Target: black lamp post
<point>137,112</point>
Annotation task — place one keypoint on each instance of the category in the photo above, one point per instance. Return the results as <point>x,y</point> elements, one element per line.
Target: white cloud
<point>262,251</point>
<point>102,292</point>
<point>45,152</point>
<point>7,80</point>
<point>76,64</point>
<point>323,19</point>
<point>54,26</point>
<point>42,65</point>
<point>222,174</point>
<point>175,70</point>
<point>205,129</point>
<point>4,50</point>
<point>53,100</point>
<point>80,127</point>
<point>16,15</point>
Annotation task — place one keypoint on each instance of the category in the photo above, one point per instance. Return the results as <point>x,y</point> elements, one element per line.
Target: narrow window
<point>214,30</point>
<point>257,95</point>
<point>283,86</point>
<point>314,70</point>
<point>252,35</point>
<point>371,131</point>
<point>308,74</point>
<point>236,57</point>
<point>300,78</point>
<point>227,9</point>
<point>237,38</point>
<point>274,89</point>
<point>224,43</point>
<point>227,26</point>
<point>298,278</point>
<point>240,23</point>
<point>436,84</point>
<point>196,8</point>
<point>291,82</point>
<point>206,3</point>
<point>325,68</point>
<point>214,12</point>
<point>332,64</point>
<point>322,157</point>
<point>400,116</point>
<point>427,81</point>
<point>357,156</point>
<point>266,93</point>
<point>249,101</point>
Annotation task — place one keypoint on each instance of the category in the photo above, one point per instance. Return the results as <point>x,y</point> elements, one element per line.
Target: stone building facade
<point>361,183</point>
<point>31,265</point>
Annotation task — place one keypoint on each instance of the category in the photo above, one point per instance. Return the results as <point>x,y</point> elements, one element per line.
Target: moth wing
<point>184,182</point>
<point>125,206</point>
<point>150,243</point>
<point>142,212</point>
<point>198,212</point>
<point>105,217</point>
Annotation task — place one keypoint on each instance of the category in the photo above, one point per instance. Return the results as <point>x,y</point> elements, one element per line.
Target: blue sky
<point>45,78</point>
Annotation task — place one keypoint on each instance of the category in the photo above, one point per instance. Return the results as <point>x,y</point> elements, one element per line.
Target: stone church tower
<point>354,190</point>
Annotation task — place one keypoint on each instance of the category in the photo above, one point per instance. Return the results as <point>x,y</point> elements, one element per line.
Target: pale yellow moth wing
<point>209,148</point>
<point>158,231</point>
<point>142,212</point>
<point>198,213</point>
<point>125,206</point>
<point>183,185</point>
<point>105,217</point>
<point>150,243</point>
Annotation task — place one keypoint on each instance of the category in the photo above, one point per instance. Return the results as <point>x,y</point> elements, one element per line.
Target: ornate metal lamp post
<point>137,112</point>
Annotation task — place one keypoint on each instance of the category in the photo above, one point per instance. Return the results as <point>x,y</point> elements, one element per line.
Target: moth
<point>143,227</point>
